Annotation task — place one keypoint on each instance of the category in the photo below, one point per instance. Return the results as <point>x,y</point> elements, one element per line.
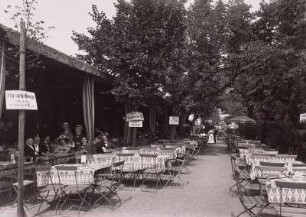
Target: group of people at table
<point>66,142</point>
<point>271,168</point>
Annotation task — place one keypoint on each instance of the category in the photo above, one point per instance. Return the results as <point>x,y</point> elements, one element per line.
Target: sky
<point>69,15</point>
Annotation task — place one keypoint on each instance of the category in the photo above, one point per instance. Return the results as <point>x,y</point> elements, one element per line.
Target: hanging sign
<point>303,118</point>
<point>134,116</point>
<point>174,120</point>
<point>135,123</point>
<point>20,100</point>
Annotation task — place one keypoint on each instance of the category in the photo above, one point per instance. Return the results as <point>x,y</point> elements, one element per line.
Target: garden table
<point>287,190</point>
<point>84,174</point>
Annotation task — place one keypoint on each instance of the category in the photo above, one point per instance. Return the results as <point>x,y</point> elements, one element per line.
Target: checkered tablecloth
<point>286,195</point>
<point>84,174</point>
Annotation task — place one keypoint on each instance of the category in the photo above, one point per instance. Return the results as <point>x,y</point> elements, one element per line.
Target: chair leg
<point>44,199</point>
<point>61,198</point>
<point>248,210</point>
<point>103,196</point>
<point>157,182</point>
<point>83,201</point>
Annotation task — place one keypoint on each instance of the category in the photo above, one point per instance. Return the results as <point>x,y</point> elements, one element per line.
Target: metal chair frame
<point>70,190</point>
<point>106,184</point>
<point>150,172</point>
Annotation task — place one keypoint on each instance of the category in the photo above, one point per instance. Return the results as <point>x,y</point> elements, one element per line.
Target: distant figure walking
<point>211,139</point>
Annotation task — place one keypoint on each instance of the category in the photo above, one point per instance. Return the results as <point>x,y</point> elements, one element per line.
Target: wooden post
<point>2,76</point>
<point>134,136</point>
<point>21,124</point>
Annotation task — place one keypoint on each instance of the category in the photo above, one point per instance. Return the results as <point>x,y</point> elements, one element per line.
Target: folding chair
<point>107,183</point>
<point>251,200</point>
<point>72,192</point>
<point>191,151</point>
<point>28,185</point>
<point>173,170</point>
<point>48,192</point>
<point>151,172</point>
<point>241,177</point>
<point>6,189</point>
<point>182,159</point>
<point>131,170</point>
<point>237,162</point>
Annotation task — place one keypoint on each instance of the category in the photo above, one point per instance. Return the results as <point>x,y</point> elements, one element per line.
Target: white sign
<point>303,118</point>
<point>135,123</point>
<point>134,116</point>
<point>83,159</point>
<point>20,100</point>
<point>174,120</point>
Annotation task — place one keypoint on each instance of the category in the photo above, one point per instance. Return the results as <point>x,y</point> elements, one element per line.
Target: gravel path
<point>205,193</point>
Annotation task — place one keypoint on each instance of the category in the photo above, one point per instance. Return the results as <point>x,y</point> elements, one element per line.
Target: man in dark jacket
<point>28,148</point>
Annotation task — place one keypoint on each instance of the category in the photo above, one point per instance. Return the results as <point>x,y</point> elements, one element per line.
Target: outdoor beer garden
<point>170,108</point>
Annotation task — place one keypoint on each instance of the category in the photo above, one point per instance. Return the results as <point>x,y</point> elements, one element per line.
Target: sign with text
<point>135,123</point>
<point>20,100</point>
<point>174,120</point>
<point>303,118</point>
<point>134,116</point>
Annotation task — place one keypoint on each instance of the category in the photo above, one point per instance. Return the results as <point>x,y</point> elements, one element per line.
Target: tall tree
<point>270,65</point>
<point>141,46</point>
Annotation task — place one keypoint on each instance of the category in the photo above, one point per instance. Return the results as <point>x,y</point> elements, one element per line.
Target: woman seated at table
<point>63,146</point>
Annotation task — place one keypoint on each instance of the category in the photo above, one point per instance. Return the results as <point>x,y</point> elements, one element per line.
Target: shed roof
<point>13,38</point>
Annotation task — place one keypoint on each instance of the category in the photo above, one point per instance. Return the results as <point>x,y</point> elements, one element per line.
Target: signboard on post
<point>174,120</point>
<point>20,100</point>
<point>303,118</point>
<point>135,123</point>
<point>134,116</point>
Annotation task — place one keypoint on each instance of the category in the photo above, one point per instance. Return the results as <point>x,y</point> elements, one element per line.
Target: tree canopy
<point>209,55</point>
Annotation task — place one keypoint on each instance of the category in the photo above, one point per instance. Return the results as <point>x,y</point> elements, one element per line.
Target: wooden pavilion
<point>67,90</point>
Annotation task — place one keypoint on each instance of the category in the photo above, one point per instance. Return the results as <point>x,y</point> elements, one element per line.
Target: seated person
<point>37,145</point>
<point>67,132</point>
<point>46,146</point>
<point>78,137</point>
<point>63,146</point>
<point>28,148</point>
<point>84,143</point>
<point>100,143</point>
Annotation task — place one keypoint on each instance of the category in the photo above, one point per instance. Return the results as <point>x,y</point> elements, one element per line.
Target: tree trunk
<point>134,136</point>
<point>127,130</point>
<point>164,125</point>
<point>152,121</point>
<point>173,132</point>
